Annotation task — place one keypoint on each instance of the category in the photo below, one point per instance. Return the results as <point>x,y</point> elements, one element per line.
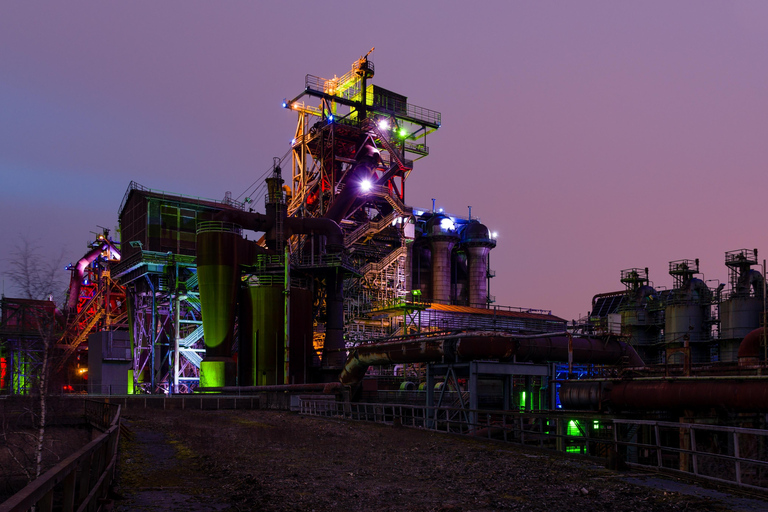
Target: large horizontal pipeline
<point>489,345</point>
<point>265,222</point>
<point>733,394</point>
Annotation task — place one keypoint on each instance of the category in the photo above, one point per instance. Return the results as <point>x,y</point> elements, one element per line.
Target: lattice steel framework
<point>352,153</point>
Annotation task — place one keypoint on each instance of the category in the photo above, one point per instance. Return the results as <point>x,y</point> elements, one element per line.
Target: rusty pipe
<point>487,345</point>
<point>586,350</point>
<point>728,393</point>
<point>420,351</point>
<point>690,394</point>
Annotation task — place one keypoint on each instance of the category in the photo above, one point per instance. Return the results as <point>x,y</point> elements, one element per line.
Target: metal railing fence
<point>80,481</point>
<point>730,455</point>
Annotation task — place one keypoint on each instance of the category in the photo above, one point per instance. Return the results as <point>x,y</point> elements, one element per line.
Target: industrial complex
<point>341,289</point>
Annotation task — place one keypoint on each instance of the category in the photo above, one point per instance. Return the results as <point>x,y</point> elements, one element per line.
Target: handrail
<point>370,226</point>
<point>82,478</point>
<point>668,447</point>
<point>378,266</point>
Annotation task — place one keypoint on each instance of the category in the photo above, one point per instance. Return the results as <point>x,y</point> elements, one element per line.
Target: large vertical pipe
<point>333,354</point>
<point>287,320</point>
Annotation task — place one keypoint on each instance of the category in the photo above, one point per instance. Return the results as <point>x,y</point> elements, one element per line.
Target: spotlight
<point>494,235</point>
<point>383,125</point>
<point>366,185</point>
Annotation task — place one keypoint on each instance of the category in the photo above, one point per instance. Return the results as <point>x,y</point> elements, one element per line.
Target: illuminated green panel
<point>212,374</point>
<point>573,430</point>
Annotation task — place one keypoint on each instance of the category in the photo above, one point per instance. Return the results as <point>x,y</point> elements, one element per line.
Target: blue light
<point>330,118</point>
<point>285,104</point>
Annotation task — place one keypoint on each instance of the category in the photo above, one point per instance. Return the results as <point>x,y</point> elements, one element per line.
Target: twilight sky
<point>593,136</point>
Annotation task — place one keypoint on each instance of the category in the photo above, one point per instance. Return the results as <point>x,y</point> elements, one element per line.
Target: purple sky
<point>593,136</point>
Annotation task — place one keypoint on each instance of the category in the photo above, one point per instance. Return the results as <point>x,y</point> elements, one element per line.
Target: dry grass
<point>278,461</point>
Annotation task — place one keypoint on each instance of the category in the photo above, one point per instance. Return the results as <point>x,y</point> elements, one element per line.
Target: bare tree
<point>37,276</point>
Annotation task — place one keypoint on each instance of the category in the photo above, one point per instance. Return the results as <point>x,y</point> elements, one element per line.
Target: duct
<point>420,351</point>
<point>585,351</point>
<point>78,271</point>
<point>757,282</point>
<point>701,393</point>
<point>749,348</point>
<point>323,226</point>
<point>701,289</point>
<point>265,223</point>
<point>486,345</point>
<point>248,220</point>
<point>643,293</point>
<point>367,160</point>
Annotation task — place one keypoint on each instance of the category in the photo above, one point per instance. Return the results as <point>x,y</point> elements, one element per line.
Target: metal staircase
<point>369,228</point>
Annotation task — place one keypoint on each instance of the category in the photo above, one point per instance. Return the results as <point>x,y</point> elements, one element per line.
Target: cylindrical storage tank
<point>739,316</point>
<point>442,235</point>
<point>636,325</point>
<point>264,341</point>
<point>268,315</point>
<point>688,319</point>
<point>218,277</point>
<point>476,238</point>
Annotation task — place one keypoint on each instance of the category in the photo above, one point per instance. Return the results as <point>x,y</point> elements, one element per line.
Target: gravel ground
<point>279,461</point>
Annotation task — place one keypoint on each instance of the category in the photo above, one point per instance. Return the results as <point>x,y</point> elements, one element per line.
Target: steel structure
<point>159,272</point>
<point>352,153</point>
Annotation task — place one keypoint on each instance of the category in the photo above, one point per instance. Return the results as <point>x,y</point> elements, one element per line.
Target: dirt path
<point>276,461</point>
<point>155,473</point>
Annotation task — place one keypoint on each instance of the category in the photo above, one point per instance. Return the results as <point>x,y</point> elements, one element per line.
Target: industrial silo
<point>477,242</point>
<point>265,340</point>
<point>743,303</point>
<point>687,314</point>
<point>218,275</point>
<point>442,236</point>
<point>641,314</point>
